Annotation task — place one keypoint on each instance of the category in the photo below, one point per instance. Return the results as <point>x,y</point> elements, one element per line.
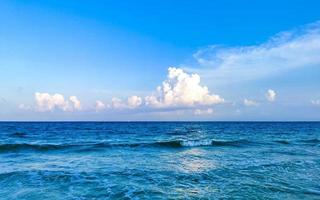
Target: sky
<point>159,60</point>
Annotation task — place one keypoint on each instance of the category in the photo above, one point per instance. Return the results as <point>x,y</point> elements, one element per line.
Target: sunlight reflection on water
<point>196,161</point>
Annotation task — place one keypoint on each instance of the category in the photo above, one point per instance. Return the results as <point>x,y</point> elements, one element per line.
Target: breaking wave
<point>168,144</point>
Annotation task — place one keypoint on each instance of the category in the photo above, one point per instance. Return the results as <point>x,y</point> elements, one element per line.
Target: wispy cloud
<point>207,111</point>
<point>3,100</point>
<point>316,102</point>
<point>248,102</point>
<point>24,107</point>
<point>285,51</point>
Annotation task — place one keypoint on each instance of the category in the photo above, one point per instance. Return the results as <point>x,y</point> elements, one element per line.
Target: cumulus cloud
<point>76,102</point>
<point>181,89</point>
<point>248,102</point>
<point>117,103</point>
<point>46,102</point>
<point>100,106</point>
<point>203,111</point>
<point>285,51</point>
<point>316,102</point>
<point>271,95</point>
<point>132,102</point>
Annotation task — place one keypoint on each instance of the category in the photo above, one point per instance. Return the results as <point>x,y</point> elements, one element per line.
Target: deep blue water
<point>192,160</point>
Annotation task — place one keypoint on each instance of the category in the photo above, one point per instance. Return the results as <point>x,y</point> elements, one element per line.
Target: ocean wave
<point>85,147</point>
<point>282,141</point>
<point>311,141</point>
<point>19,134</point>
<point>180,143</point>
<point>196,143</point>
<point>314,141</point>
<point>28,146</point>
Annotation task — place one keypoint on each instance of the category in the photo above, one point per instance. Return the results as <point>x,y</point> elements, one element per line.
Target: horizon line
<point>151,121</point>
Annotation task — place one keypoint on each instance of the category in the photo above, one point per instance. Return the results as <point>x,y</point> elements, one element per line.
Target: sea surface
<point>159,160</point>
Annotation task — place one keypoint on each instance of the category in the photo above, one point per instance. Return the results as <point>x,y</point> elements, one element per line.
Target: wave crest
<point>94,146</point>
<point>195,143</point>
<point>199,143</point>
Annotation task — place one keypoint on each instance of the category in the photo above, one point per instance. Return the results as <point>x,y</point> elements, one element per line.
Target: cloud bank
<point>46,102</point>
<point>131,103</point>
<point>100,106</point>
<point>179,91</point>
<point>134,101</point>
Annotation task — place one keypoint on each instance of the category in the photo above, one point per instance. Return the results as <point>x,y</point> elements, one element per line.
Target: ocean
<point>159,160</point>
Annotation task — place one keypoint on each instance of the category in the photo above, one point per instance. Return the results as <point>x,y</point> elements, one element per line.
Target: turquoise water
<point>191,160</point>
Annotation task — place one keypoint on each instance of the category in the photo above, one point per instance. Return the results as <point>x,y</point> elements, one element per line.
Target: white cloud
<point>316,102</point>
<point>286,51</point>
<point>203,111</point>
<point>132,102</point>
<point>76,102</point>
<point>181,89</point>
<point>248,102</point>
<point>117,103</point>
<point>46,102</point>
<point>271,95</point>
<point>100,106</point>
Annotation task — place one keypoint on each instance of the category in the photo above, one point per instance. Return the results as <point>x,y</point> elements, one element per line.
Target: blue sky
<point>104,60</point>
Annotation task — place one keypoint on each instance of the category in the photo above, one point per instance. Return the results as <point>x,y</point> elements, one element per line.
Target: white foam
<point>194,143</point>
